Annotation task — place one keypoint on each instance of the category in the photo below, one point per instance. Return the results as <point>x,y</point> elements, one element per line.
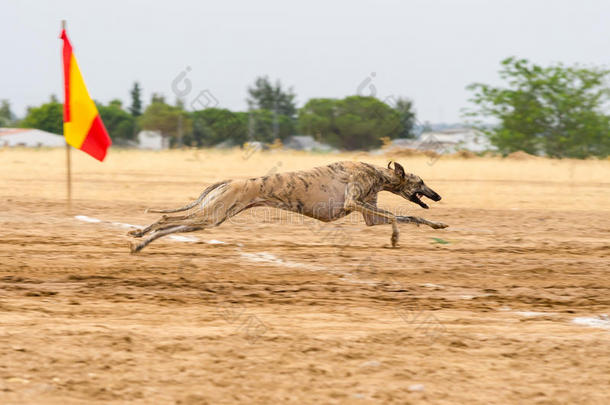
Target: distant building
<point>459,139</point>
<point>306,143</point>
<point>152,140</point>
<point>30,138</point>
<point>447,141</point>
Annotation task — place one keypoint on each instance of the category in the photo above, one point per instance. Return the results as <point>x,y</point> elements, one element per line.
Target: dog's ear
<point>389,163</point>
<point>399,170</point>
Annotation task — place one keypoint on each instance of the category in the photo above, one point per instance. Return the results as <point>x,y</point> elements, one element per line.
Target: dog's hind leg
<point>212,215</point>
<point>219,190</point>
<point>161,222</point>
<point>194,203</point>
<point>136,247</point>
<point>162,229</point>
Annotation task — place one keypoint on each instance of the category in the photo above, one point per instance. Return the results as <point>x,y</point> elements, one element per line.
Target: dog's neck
<point>388,179</point>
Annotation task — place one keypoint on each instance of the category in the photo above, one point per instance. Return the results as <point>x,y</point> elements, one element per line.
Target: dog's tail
<point>191,205</point>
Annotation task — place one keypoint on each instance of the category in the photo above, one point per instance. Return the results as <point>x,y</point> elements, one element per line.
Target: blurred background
<point>444,76</point>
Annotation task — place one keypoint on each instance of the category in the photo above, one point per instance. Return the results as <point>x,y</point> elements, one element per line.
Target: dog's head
<point>411,187</point>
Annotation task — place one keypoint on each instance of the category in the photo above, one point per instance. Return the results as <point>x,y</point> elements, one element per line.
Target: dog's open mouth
<point>416,198</point>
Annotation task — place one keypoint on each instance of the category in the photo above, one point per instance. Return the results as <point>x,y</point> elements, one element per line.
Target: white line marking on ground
<point>530,314</point>
<point>350,279</point>
<point>431,285</point>
<point>602,321</point>
<point>85,218</point>
<point>265,257</point>
<point>180,238</point>
<point>123,225</point>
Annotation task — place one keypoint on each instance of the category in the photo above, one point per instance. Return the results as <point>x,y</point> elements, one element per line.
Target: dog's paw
<point>439,225</point>
<point>136,233</point>
<point>134,247</point>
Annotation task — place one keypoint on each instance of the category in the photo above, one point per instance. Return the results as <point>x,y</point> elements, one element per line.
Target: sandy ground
<point>505,306</point>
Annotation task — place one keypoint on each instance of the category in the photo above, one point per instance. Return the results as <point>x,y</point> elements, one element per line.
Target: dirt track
<point>505,306</point>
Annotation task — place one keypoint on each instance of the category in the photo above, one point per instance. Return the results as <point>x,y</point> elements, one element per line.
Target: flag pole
<point>68,154</point>
<point>69,174</point>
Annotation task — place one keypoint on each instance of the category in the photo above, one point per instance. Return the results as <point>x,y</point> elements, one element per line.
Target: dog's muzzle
<point>416,197</point>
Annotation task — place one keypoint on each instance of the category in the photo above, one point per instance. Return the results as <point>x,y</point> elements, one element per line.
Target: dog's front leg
<point>369,210</point>
<point>420,221</point>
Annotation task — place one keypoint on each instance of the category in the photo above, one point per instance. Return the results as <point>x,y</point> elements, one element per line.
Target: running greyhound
<point>325,193</point>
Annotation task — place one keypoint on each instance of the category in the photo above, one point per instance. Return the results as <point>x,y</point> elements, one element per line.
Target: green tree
<point>555,110</point>
<point>215,125</point>
<point>272,108</point>
<point>404,108</point>
<point>157,98</point>
<point>264,95</point>
<point>7,117</point>
<point>136,100</point>
<point>266,125</point>
<point>119,123</point>
<point>318,118</point>
<point>160,116</point>
<point>355,122</point>
<point>47,117</point>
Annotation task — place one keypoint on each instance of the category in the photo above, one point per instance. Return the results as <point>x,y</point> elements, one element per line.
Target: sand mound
<point>464,154</point>
<point>408,152</point>
<point>520,155</point>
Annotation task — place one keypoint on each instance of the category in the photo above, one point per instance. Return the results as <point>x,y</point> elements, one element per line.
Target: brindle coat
<point>325,193</point>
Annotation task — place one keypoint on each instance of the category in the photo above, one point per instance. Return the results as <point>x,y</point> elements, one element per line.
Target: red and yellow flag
<point>83,127</point>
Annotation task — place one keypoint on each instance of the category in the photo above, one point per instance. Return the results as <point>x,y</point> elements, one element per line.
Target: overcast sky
<point>427,50</point>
